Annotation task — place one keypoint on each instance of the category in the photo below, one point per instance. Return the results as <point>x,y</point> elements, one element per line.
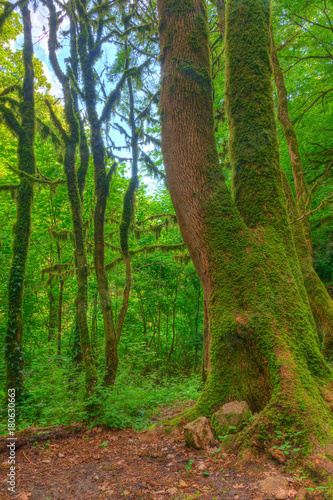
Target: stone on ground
<point>302,494</point>
<point>231,414</point>
<point>275,486</point>
<point>198,433</point>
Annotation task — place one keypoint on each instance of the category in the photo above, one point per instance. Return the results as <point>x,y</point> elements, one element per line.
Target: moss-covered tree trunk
<point>102,180</point>
<point>264,346</point>
<point>74,188</point>
<point>25,131</point>
<point>320,301</point>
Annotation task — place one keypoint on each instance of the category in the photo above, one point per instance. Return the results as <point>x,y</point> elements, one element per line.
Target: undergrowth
<point>55,394</point>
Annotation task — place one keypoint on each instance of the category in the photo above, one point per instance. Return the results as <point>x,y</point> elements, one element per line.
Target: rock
<point>198,433</point>
<point>281,494</point>
<point>274,485</point>
<point>302,494</point>
<point>278,455</point>
<point>231,414</point>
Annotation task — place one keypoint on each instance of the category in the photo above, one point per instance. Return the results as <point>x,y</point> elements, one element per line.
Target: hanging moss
<point>61,234</point>
<point>182,259</point>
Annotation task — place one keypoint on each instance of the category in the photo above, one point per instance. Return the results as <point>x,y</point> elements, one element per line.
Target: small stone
<point>281,494</point>
<point>273,485</point>
<point>61,455</point>
<point>302,494</point>
<point>231,414</point>
<point>198,433</point>
<point>46,461</point>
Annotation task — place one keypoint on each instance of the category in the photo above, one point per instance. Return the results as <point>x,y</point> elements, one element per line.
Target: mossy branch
<point>10,89</point>
<point>153,140</point>
<point>171,217</point>
<point>8,187</point>
<point>9,8</point>
<point>153,170</point>
<point>61,235</point>
<point>14,103</point>
<point>47,132</point>
<point>315,186</point>
<point>11,120</point>
<point>53,42</point>
<point>328,199</point>
<point>57,122</point>
<point>39,180</point>
<point>147,249</point>
<point>146,110</point>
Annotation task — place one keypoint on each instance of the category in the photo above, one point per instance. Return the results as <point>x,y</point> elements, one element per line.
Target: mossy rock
<point>232,414</point>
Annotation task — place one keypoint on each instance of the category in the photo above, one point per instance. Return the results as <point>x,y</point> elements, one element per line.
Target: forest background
<point>154,293</point>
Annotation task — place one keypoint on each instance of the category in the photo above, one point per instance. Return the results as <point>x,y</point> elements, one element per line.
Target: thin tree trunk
<point>173,323</point>
<point>94,321</point>
<point>320,301</point>
<point>301,187</point>
<point>52,312</point>
<point>59,325</point>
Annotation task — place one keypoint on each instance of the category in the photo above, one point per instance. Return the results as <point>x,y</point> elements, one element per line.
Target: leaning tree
<point>264,346</point>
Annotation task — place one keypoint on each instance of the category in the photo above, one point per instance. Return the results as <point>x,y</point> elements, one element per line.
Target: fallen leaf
<point>182,484</point>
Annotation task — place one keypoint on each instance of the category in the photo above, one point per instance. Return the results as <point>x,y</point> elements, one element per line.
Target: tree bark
<point>264,346</point>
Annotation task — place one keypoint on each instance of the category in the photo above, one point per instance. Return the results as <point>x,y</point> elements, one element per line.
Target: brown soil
<point>118,465</point>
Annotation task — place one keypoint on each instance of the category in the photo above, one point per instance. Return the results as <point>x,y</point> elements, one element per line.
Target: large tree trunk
<point>320,301</point>
<point>22,228</point>
<point>264,347</point>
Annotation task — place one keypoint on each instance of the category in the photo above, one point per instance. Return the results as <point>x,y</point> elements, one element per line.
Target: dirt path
<point>117,465</point>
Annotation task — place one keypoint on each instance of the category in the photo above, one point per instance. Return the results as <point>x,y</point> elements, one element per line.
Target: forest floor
<point>109,464</point>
